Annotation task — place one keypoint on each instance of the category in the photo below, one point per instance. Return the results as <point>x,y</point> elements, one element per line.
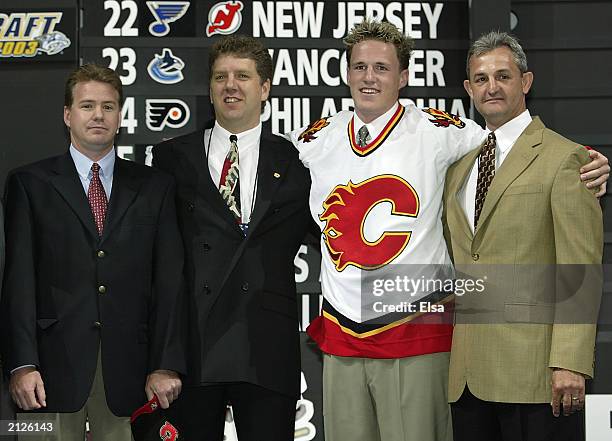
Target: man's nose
<point>369,74</point>
<point>98,112</point>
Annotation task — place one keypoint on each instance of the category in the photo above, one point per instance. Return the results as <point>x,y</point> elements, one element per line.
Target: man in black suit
<point>242,203</point>
<point>93,278</point>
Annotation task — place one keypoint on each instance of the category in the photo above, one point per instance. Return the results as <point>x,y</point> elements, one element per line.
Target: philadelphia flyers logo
<point>308,134</point>
<point>168,432</point>
<point>224,18</point>
<point>444,119</point>
<point>345,211</point>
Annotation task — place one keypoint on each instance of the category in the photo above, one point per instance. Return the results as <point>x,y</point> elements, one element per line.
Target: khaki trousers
<point>103,424</point>
<point>403,399</point>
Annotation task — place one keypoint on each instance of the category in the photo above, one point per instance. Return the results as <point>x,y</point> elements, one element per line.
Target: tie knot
<point>491,138</point>
<point>95,167</point>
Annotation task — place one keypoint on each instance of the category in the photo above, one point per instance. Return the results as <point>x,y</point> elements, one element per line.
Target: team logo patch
<point>27,34</point>
<point>444,119</point>
<point>166,68</point>
<point>224,18</point>
<point>308,134</point>
<point>345,211</point>
<point>168,432</point>
<point>165,13</point>
<point>161,113</point>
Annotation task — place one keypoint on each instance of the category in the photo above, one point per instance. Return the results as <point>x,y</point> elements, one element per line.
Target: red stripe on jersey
<point>406,340</point>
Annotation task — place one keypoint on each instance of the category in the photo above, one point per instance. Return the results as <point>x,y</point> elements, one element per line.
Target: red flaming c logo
<point>444,119</point>
<point>224,18</point>
<point>345,211</point>
<point>168,432</point>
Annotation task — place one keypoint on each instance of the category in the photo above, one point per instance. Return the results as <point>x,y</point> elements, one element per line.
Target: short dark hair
<point>380,31</point>
<point>493,40</point>
<point>242,46</point>
<point>92,72</point>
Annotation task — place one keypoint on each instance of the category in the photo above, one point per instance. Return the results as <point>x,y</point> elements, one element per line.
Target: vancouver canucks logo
<point>166,68</point>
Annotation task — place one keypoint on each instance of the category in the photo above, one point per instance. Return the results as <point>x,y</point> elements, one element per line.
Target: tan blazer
<point>536,218</point>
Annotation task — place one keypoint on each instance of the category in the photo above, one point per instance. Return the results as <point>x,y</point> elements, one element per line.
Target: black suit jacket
<point>243,303</point>
<point>67,290</point>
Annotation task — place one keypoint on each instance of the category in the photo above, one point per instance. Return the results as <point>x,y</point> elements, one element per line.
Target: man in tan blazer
<point>520,222</point>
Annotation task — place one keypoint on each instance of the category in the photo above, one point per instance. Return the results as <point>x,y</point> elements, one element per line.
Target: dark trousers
<point>478,420</point>
<point>259,413</point>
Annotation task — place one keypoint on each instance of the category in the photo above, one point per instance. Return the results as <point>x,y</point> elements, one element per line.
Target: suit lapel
<point>271,169</point>
<point>462,174</point>
<point>270,172</point>
<point>68,184</point>
<point>196,153</point>
<point>519,158</point>
<point>125,189</point>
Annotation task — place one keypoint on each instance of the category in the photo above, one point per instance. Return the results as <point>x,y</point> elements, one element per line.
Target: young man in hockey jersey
<point>377,181</point>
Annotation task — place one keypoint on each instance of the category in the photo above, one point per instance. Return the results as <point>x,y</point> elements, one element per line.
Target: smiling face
<point>236,91</point>
<point>497,86</point>
<point>93,118</point>
<point>375,78</point>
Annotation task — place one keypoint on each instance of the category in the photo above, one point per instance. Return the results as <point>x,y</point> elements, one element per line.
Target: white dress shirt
<point>217,144</point>
<point>505,137</point>
<point>376,126</point>
<point>83,167</point>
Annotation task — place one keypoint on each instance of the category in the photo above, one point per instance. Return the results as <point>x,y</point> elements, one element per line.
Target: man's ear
<point>67,116</point>
<point>403,78</point>
<point>265,90</point>
<point>527,81</point>
<point>468,88</point>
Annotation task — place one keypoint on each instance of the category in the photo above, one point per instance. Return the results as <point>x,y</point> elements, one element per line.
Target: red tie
<point>97,198</point>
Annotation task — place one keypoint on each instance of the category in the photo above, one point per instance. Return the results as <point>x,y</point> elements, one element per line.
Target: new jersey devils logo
<point>224,18</point>
<point>345,211</point>
<point>168,432</point>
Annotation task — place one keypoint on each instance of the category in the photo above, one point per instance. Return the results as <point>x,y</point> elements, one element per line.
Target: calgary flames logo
<point>444,119</point>
<point>308,134</point>
<point>345,211</point>
<point>168,432</point>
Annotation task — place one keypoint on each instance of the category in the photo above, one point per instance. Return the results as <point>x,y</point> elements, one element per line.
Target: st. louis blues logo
<point>166,68</point>
<point>161,113</point>
<point>224,18</point>
<point>165,13</point>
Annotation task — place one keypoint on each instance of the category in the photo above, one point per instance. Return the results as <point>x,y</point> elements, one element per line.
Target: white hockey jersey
<point>379,208</point>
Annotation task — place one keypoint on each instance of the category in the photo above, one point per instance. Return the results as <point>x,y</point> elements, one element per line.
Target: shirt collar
<point>245,139</point>
<point>83,163</point>
<point>376,126</point>
<point>507,134</point>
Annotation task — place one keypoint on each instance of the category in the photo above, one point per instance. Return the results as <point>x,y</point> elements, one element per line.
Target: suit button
<point>475,257</point>
<point>190,206</point>
<point>101,289</point>
<point>97,325</point>
<point>101,254</point>
<point>206,247</point>
<point>245,286</point>
<point>206,290</point>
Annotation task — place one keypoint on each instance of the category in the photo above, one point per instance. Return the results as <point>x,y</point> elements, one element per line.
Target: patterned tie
<point>97,198</point>
<point>229,184</point>
<point>363,136</point>
<point>486,173</point>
